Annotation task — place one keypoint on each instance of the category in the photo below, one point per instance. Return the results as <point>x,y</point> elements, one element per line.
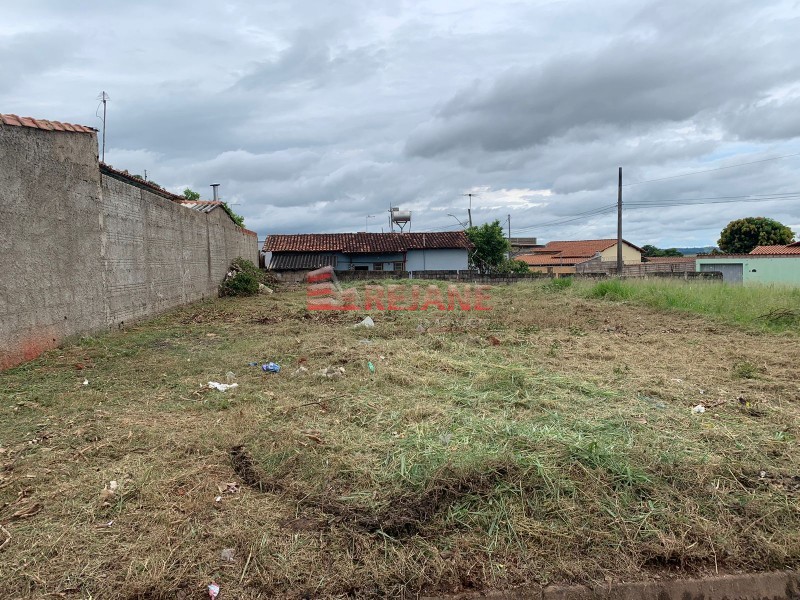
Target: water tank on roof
<point>401,216</point>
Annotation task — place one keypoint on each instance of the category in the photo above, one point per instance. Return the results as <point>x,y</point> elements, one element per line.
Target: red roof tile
<point>351,243</point>
<point>16,121</point>
<point>568,252</point>
<point>788,249</point>
<point>548,260</point>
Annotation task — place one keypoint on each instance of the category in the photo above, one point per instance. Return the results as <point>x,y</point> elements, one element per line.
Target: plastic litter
<point>331,372</point>
<point>213,591</point>
<point>252,364</point>
<point>228,488</point>
<point>698,410</point>
<point>367,322</point>
<point>227,554</point>
<point>371,367</point>
<point>300,370</point>
<point>85,382</point>
<point>222,387</point>
<point>230,376</point>
<point>270,367</point>
<point>262,289</point>
<point>364,341</point>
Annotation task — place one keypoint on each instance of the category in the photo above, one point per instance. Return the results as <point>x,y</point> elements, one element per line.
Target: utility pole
<point>619,225</point>
<point>469,210</point>
<point>509,237</point>
<point>104,98</point>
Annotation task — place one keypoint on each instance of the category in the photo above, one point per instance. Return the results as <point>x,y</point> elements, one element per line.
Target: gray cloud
<point>314,115</point>
<point>652,77</point>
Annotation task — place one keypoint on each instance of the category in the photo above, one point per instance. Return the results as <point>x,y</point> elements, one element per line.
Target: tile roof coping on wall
<point>753,256</point>
<point>668,259</point>
<point>773,250</point>
<point>16,121</point>
<point>151,187</point>
<point>353,243</point>
<point>141,183</point>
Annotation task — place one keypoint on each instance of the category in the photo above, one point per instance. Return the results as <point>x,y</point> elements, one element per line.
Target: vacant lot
<point>549,439</point>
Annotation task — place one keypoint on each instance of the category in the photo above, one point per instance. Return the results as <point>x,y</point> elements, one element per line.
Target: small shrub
<point>241,284</point>
<point>242,279</point>
<point>745,370</point>
<point>559,283</point>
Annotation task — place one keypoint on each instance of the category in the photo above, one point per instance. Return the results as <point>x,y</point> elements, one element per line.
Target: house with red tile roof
<point>788,249</point>
<point>430,251</point>
<point>563,257</point>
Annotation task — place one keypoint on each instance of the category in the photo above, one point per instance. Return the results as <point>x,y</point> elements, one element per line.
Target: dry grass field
<point>549,439</point>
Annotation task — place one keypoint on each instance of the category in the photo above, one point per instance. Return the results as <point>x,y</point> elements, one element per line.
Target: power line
<point>721,200</point>
<point>604,210</point>
<point>754,162</point>
<point>776,195</point>
<point>577,217</point>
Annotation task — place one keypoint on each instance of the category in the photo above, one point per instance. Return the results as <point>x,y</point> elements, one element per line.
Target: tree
<point>491,246</point>
<point>191,194</point>
<point>648,250</point>
<point>513,267</point>
<point>742,235</point>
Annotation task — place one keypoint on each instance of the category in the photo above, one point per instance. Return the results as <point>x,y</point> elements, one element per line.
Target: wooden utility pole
<point>619,225</point>
<point>509,237</point>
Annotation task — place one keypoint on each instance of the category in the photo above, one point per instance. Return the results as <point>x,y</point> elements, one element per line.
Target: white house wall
<point>440,259</point>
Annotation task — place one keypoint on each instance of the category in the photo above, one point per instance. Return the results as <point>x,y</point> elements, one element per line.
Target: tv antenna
<point>104,98</point>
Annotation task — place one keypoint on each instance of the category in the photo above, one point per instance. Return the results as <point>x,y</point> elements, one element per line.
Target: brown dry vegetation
<point>550,439</point>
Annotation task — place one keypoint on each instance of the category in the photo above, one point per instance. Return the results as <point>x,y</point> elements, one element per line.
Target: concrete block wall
<point>82,251</point>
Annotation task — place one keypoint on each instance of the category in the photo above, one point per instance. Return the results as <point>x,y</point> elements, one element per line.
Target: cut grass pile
<point>766,307</point>
<point>549,439</point>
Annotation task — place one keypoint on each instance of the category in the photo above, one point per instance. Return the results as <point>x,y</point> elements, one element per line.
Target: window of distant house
<point>360,268</point>
<point>398,266</point>
<point>377,267</point>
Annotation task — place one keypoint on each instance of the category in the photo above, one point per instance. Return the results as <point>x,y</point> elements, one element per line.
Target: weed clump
<point>558,284</point>
<point>242,279</point>
<point>745,370</point>
<point>611,290</point>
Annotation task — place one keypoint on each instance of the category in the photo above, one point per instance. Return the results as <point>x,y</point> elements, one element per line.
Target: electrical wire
<point>754,162</point>
<point>577,217</point>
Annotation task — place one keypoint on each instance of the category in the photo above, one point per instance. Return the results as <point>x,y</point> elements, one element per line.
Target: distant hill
<point>695,250</point>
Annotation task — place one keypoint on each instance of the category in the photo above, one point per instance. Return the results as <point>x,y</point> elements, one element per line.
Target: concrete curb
<point>781,585</point>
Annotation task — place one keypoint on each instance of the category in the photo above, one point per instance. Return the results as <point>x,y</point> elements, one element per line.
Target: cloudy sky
<point>314,114</point>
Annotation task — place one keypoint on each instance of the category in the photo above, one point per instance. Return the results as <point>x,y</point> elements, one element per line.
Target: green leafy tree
<point>491,247</point>
<point>513,267</point>
<point>648,250</point>
<point>191,194</point>
<point>742,235</point>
